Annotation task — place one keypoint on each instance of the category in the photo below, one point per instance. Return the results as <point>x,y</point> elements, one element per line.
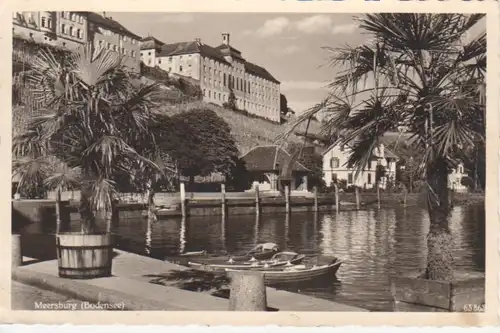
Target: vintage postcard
<point>297,163</point>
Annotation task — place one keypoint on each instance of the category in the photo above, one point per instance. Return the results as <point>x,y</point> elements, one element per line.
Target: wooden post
<point>356,189</point>
<point>315,189</point>
<point>183,199</point>
<point>58,210</point>
<point>337,199</point>
<point>17,257</point>
<point>257,200</point>
<point>247,291</point>
<point>287,199</point>
<point>378,196</point>
<point>223,199</point>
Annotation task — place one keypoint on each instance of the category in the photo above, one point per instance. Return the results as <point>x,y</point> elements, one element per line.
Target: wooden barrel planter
<point>82,256</point>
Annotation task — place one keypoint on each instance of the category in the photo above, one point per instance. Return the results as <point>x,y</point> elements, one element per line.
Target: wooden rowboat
<point>279,259</point>
<point>296,273</point>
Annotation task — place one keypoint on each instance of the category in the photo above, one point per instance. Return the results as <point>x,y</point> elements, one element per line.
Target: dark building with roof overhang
<point>275,166</point>
<point>219,70</point>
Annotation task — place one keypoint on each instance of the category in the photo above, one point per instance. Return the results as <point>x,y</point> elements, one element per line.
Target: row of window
<point>73,17</point>
<point>69,30</point>
<point>241,82</point>
<point>224,98</point>
<point>113,47</point>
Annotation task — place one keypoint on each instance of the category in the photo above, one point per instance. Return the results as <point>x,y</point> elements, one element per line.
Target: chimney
<point>225,38</point>
<point>104,14</point>
<point>197,40</point>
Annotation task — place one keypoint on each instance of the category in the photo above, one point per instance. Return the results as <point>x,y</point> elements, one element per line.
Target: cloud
<point>344,28</point>
<point>274,26</point>
<point>303,85</point>
<point>314,24</point>
<point>290,49</point>
<point>178,18</point>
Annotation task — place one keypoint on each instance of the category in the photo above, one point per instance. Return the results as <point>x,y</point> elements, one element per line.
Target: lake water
<point>373,245</point>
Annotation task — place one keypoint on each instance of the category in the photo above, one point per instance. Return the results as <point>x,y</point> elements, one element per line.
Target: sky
<point>290,46</point>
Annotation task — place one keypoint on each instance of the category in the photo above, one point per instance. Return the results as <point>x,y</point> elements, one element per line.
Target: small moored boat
<point>296,273</point>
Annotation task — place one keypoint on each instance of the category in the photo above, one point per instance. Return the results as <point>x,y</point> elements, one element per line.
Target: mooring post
<point>257,200</point>
<point>183,199</point>
<point>287,199</point>
<point>223,199</point>
<point>356,189</point>
<point>337,200</point>
<point>315,189</point>
<point>17,257</point>
<point>247,291</point>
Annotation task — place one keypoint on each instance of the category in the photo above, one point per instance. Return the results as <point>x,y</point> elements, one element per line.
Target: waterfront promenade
<point>131,285</point>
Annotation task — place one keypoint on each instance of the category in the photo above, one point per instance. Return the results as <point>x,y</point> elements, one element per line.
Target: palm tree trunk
<point>87,215</point>
<point>58,210</point>
<point>112,217</point>
<point>439,238</point>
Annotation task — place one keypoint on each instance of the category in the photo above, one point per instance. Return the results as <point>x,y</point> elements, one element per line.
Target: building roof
<point>110,24</point>
<point>190,48</point>
<point>261,158</point>
<point>259,71</point>
<point>216,53</point>
<point>150,42</point>
<point>228,50</point>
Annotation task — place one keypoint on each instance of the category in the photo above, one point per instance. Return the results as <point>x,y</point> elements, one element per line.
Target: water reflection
<point>374,245</point>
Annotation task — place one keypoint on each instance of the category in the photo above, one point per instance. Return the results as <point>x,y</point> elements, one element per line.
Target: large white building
<point>218,70</point>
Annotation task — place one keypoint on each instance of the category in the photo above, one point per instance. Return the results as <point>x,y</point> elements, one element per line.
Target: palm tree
<point>428,75</point>
<point>94,117</point>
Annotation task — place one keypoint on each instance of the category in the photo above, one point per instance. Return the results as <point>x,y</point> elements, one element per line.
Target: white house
<point>335,166</point>
<point>455,179</point>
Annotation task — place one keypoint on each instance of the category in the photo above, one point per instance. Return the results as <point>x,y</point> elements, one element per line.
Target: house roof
<point>228,50</point>
<point>259,71</point>
<point>261,158</point>
<point>190,48</point>
<point>110,24</point>
<point>150,42</point>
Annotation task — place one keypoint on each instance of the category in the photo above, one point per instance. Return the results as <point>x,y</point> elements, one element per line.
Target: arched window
<point>334,162</point>
<point>71,31</point>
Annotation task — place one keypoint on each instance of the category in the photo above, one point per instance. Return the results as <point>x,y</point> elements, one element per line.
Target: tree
<point>427,77</point>
<point>200,143</point>
<point>93,117</point>
<point>283,105</point>
<point>231,99</point>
